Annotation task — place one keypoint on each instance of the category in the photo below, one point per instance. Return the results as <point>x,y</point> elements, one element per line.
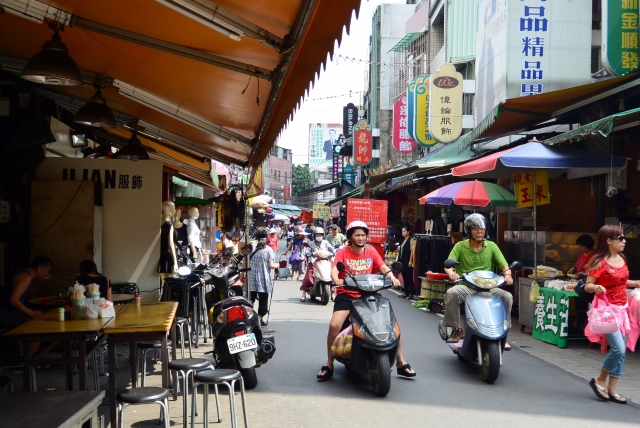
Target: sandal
<point>327,375</point>
<point>616,398</point>
<point>599,390</point>
<point>302,299</point>
<point>404,371</point>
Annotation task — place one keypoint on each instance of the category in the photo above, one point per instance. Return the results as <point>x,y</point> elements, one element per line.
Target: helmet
<point>356,225</point>
<point>474,220</point>
<point>318,230</point>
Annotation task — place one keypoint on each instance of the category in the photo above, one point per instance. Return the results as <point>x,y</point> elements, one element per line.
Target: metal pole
<point>535,229</point>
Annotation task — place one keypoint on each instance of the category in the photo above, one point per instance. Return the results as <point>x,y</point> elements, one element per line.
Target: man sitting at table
<point>13,311</point>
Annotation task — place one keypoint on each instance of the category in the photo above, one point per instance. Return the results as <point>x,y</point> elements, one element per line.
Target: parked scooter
<point>238,341</point>
<point>370,341</point>
<point>322,267</point>
<point>487,324</point>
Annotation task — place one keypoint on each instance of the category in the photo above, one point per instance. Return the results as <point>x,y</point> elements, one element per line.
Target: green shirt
<point>335,240</point>
<point>485,259</point>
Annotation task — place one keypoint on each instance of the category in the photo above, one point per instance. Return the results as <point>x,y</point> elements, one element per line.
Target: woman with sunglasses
<point>609,277</point>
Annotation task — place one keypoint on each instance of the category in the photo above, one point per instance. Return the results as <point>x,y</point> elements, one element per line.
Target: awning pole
<point>535,229</point>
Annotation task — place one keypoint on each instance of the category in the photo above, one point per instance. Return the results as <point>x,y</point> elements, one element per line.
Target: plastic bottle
<point>61,314</point>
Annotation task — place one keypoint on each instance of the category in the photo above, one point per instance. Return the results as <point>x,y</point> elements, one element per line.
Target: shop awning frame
<point>353,194</point>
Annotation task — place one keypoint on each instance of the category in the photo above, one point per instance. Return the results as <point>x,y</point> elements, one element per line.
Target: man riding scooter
<point>318,243</point>
<point>358,260</point>
<point>473,254</point>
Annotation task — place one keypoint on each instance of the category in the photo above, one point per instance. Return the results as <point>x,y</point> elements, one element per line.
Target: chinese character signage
<point>445,106</point>
<point>321,212</point>
<point>551,317</point>
<point>323,139</point>
<point>410,212</point>
<point>349,118</point>
<point>402,142</point>
<point>620,36</point>
<point>373,213</point>
<point>362,143</point>
<point>525,193</point>
<point>421,112</point>
<point>411,105</point>
<point>337,165</point>
<point>523,48</point>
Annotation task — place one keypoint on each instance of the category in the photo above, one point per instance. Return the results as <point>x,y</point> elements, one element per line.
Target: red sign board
<point>402,142</point>
<point>373,213</point>
<point>362,143</point>
<point>287,192</point>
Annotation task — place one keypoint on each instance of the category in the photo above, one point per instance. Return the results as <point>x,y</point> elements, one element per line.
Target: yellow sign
<point>321,212</point>
<point>525,193</point>
<point>421,112</point>
<point>445,108</point>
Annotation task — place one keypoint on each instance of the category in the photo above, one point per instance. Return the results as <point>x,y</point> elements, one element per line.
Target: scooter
<point>238,341</point>
<point>321,275</point>
<point>487,324</point>
<point>369,343</point>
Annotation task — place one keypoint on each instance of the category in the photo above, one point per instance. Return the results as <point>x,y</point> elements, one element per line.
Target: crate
<point>433,289</point>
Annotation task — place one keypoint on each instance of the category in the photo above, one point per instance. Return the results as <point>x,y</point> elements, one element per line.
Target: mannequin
<point>168,261</point>
<point>442,224</point>
<point>194,234</point>
<point>182,238</point>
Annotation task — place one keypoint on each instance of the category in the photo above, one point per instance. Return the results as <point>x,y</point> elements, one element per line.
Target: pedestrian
<point>272,240</point>
<point>261,260</point>
<point>404,258</point>
<point>297,258</point>
<point>608,278</point>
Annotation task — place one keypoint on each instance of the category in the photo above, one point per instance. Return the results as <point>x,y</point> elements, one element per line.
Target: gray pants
<point>456,295</point>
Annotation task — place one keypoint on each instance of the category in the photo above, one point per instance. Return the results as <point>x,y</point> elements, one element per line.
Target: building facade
<point>280,174</point>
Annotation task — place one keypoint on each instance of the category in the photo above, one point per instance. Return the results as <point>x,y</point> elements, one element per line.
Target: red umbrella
<point>475,193</point>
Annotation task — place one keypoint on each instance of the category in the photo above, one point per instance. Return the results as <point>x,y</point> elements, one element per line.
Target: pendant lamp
<point>53,65</point>
<point>96,113</point>
<point>133,150</point>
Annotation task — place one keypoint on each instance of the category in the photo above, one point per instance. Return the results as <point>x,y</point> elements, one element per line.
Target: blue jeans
<point>614,361</point>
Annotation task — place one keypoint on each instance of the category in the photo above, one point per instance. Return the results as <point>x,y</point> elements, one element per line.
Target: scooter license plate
<point>242,343</point>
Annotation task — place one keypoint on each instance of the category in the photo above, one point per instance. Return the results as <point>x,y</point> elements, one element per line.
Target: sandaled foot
<point>302,299</point>
<point>406,371</point>
<point>599,390</point>
<point>617,398</point>
<point>325,373</point>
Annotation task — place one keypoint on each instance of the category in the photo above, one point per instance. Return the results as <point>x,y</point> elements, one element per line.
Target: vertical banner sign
<point>402,142</point>
<point>411,108</point>
<point>337,166</point>
<point>445,107</point>
<point>349,119</point>
<point>349,174</point>
<point>620,36</point>
<point>373,213</point>
<point>525,192</point>
<point>362,143</point>
<point>410,212</point>
<point>551,322</point>
<point>335,210</point>
<point>287,191</point>
<point>421,113</point>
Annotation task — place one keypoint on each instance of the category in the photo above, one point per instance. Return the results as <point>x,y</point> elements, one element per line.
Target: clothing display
<point>166,259</point>
<point>182,244</point>
<point>492,227</point>
<point>440,225</point>
<point>194,233</point>
<point>431,252</point>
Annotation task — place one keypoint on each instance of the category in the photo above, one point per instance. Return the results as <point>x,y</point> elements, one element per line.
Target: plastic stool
<point>146,347</point>
<point>217,377</point>
<point>144,396</point>
<point>187,367</point>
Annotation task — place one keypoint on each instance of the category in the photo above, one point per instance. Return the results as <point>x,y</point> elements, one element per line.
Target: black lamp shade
<point>132,151</point>
<point>96,113</point>
<point>53,65</point>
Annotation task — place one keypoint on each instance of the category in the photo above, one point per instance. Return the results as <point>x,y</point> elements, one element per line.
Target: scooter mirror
<point>340,267</point>
<point>246,250</point>
<point>517,266</point>
<point>396,267</point>
<point>449,263</point>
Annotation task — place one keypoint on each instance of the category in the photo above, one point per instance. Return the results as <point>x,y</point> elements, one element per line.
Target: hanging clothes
<point>440,226</point>
<point>431,252</point>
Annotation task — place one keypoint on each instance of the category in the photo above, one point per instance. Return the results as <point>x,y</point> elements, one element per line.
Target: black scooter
<point>376,334</point>
<point>238,341</point>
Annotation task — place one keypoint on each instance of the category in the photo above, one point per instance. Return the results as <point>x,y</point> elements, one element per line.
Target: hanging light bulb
<point>96,113</point>
<point>53,65</point>
<point>133,150</point>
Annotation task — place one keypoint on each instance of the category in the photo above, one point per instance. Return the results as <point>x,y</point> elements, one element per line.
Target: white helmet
<point>474,220</point>
<point>357,225</point>
<point>318,230</point>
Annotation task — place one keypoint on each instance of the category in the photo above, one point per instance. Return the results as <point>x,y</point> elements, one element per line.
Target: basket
<point>436,276</point>
<point>282,263</point>
<point>433,289</point>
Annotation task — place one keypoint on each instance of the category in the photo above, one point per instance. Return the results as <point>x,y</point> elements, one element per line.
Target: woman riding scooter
<point>358,260</point>
<point>318,243</point>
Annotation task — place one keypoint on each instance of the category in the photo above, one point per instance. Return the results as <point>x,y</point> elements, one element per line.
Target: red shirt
<point>614,280</point>
<point>272,241</point>
<point>369,261</point>
<point>582,261</point>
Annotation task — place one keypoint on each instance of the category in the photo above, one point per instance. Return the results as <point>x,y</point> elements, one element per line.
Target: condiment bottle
<point>137,299</point>
<point>60,314</point>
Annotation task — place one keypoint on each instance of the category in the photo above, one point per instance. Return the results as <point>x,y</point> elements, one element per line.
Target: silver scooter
<point>487,325</point>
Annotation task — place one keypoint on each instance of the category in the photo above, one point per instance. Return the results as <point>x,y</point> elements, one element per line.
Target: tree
<point>301,179</point>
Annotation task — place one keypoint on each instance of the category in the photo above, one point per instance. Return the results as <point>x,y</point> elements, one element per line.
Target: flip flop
<point>327,375</point>
<point>598,390</point>
<point>404,371</point>
<point>616,398</point>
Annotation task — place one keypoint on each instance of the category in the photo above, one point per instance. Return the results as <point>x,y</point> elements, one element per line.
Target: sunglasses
<point>619,238</point>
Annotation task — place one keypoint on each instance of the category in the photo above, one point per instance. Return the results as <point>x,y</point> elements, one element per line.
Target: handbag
<point>584,294</point>
<point>295,257</point>
<point>602,319</point>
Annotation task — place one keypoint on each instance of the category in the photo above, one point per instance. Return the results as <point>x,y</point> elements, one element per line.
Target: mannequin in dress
<point>182,238</point>
<point>168,261</point>
<point>194,233</point>
<point>442,224</point>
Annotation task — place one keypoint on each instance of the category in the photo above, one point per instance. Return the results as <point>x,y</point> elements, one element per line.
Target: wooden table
<point>54,301</point>
<point>47,328</point>
<point>64,409</point>
<point>147,322</point>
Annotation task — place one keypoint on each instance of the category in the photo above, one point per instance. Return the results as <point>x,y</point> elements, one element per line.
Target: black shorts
<point>342,302</point>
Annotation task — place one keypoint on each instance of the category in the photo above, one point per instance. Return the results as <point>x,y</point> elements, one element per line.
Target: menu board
<point>373,213</point>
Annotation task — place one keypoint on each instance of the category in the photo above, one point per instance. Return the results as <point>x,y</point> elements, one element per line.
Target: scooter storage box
<point>433,289</point>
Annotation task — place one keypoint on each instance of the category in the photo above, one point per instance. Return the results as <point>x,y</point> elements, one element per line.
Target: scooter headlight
<point>217,272</point>
<point>472,323</point>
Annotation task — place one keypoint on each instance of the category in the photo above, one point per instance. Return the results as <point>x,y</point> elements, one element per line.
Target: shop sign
<point>349,174</point>
<point>362,143</point>
<point>411,105</point>
<point>620,36</point>
<point>525,193</point>
<point>287,191</point>
<point>337,165</point>
<point>551,317</point>
<point>335,210</point>
<point>373,213</point>
<point>421,112</point>
<point>402,142</point>
<point>445,107</point>
<point>109,177</point>
<point>349,119</point>
<point>321,212</point>
<point>410,212</point>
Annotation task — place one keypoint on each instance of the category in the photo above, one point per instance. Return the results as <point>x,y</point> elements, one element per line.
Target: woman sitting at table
<point>13,311</point>
<point>89,275</point>
<point>585,244</point>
